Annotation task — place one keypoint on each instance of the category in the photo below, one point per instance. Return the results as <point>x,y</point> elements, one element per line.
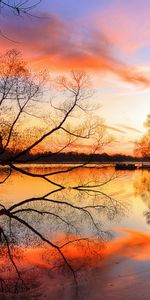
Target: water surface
<point>119,203</point>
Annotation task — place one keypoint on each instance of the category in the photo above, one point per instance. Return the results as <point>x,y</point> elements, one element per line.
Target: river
<point>118,203</point>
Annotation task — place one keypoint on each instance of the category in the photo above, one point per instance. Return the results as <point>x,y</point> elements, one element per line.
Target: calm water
<point>119,203</point>
<point>126,197</point>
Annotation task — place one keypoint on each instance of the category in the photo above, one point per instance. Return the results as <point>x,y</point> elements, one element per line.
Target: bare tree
<point>142,189</point>
<point>19,8</point>
<point>142,147</point>
<point>59,126</point>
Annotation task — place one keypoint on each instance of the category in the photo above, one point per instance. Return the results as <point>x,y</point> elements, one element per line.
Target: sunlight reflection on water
<point>124,258</point>
<point>131,188</point>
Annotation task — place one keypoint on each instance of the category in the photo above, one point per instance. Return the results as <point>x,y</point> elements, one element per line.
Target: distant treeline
<point>72,157</point>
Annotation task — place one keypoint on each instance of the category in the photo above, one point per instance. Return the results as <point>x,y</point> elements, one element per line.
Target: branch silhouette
<point>22,96</point>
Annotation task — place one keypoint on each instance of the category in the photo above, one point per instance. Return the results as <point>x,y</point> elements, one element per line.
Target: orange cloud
<point>55,44</point>
<point>130,128</point>
<point>135,244</point>
<point>115,129</point>
<point>99,268</point>
<point>78,251</point>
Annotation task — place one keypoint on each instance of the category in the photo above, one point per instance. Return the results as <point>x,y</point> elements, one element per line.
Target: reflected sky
<point>126,210</point>
<point>101,267</point>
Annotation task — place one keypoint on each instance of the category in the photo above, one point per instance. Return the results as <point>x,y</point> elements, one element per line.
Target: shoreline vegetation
<point>73,158</point>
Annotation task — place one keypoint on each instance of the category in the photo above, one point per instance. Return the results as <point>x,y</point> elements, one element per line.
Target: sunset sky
<point>109,39</point>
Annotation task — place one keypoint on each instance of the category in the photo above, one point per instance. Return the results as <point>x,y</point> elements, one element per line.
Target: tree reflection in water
<point>75,225</point>
<point>36,203</point>
<point>142,188</point>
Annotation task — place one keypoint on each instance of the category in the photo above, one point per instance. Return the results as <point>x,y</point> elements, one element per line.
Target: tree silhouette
<point>142,147</point>
<point>60,124</point>
<point>19,8</point>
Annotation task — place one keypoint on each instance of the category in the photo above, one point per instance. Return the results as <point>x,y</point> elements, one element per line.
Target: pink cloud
<point>55,44</point>
<point>127,28</point>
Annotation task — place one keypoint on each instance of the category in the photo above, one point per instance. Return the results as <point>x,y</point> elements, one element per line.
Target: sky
<point>109,39</point>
